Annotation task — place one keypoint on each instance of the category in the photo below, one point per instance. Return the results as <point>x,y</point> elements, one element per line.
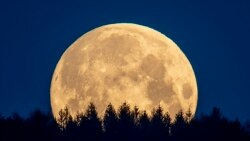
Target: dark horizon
<point>50,113</point>
<point>126,124</point>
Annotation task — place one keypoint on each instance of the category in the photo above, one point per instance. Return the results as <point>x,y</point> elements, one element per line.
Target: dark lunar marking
<point>175,108</point>
<point>108,80</point>
<point>134,76</point>
<point>56,78</point>
<point>153,67</point>
<point>73,104</point>
<point>187,90</point>
<point>91,91</point>
<point>111,80</point>
<point>159,90</point>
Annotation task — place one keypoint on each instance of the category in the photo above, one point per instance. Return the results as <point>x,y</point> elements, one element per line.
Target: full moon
<point>120,63</point>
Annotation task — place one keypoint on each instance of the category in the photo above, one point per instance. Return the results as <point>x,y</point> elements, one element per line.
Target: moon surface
<point>123,62</point>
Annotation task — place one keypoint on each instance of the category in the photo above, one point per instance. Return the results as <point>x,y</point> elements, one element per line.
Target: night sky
<point>213,34</point>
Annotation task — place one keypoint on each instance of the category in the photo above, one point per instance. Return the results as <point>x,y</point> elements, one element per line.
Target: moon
<point>123,62</point>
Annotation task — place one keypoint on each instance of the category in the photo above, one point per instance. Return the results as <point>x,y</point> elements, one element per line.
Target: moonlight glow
<point>123,62</point>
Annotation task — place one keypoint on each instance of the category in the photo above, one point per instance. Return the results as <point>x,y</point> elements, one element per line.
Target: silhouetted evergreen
<point>144,126</point>
<point>125,125</point>
<point>179,128</point>
<point>110,124</point>
<point>93,124</point>
<point>64,118</point>
<point>159,129</point>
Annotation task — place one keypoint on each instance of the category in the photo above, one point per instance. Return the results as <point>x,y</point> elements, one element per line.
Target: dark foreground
<point>123,125</point>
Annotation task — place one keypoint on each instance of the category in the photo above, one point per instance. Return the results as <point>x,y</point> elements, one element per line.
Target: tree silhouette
<point>144,126</point>
<point>64,118</point>
<point>37,125</point>
<point>135,130</point>
<point>135,115</point>
<point>2,126</point>
<point>79,118</point>
<point>110,122</point>
<point>159,130</point>
<point>189,116</point>
<point>126,124</point>
<point>93,124</point>
<point>82,126</point>
<point>179,126</point>
<point>15,124</point>
<point>167,121</point>
<point>246,127</point>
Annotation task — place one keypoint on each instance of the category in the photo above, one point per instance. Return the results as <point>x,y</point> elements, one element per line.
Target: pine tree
<point>144,121</point>
<point>168,125</point>
<point>125,122</point>
<point>144,126</point>
<point>158,128</point>
<point>135,115</point>
<point>188,116</point>
<point>110,121</point>
<point>93,124</point>
<point>79,118</point>
<point>64,118</point>
<point>179,126</point>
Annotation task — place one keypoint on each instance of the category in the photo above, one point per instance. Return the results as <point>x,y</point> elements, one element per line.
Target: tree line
<point>125,124</point>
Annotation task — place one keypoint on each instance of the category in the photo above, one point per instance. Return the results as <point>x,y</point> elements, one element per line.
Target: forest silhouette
<point>125,124</point>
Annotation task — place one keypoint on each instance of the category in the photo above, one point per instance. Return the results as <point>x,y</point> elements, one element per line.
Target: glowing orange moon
<point>123,62</point>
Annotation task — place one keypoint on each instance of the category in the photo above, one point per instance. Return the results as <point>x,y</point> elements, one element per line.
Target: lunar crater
<point>159,90</point>
<point>187,90</point>
<point>153,67</point>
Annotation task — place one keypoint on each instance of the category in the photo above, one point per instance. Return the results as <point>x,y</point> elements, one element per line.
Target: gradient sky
<point>214,35</point>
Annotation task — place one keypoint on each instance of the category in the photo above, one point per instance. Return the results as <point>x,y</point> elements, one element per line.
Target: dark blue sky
<point>214,35</point>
